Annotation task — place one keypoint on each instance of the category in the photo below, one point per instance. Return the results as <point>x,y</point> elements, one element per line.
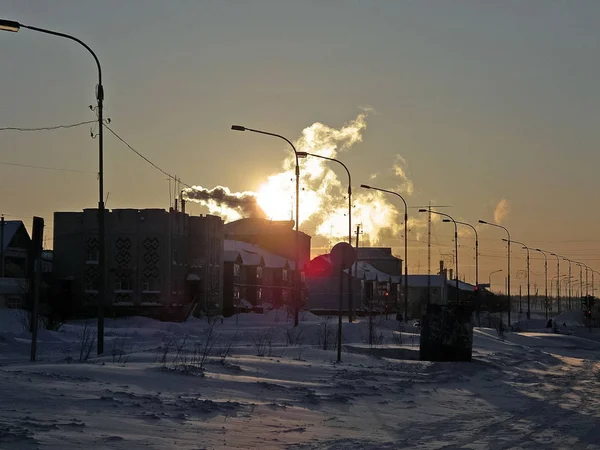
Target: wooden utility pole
<point>35,277</point>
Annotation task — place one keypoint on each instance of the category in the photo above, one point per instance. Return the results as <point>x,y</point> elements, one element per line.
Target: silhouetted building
<point>159,263</point>
<point>255,279</point>
<point>16,247</point>
<point>375,282</point>
<point>275,236</point>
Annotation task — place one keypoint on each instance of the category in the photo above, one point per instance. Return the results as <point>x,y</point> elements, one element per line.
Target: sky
<point>485,102</point>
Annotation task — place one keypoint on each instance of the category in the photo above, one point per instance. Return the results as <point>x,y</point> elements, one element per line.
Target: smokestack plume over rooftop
<point>221,200</point>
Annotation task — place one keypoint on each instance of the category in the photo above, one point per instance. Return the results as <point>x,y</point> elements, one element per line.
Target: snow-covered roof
<point>251,254</point>
<point>461,286</point>
<point>422,281</point>
<point>419,280</point>
<point>230,255</point>
<point>368,272</point>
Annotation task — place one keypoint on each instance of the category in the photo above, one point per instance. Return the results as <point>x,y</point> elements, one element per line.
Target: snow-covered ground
<point>535,389</point>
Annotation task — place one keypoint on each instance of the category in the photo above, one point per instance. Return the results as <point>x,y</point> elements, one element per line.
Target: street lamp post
<point>528,284</point>
<point>508,257</point>
<point>476,263</point>
<point>9,25</point>
<point>304,155</point>
<point>297,262</point>
<point>557,281</point>
<point>365,186</point>
<point>451,219</point>
<point>546,277</point>
<point>490,277</point>
<point>570,286</point>
<point>580,278</point>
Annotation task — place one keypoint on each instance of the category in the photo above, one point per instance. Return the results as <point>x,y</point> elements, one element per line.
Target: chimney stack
<point>441,267</point>
<point>450,278</point>
<point>182,201</point>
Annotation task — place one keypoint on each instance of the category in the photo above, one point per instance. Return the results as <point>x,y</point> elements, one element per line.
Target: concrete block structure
<point>159,263</point>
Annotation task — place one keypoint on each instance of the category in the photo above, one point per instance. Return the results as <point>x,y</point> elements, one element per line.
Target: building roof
<point>375,253</point>
<point>422,281</point>
<point>10,229</point>
<point>366,271</point>
<point>253,254</point>
<point>230,255</point>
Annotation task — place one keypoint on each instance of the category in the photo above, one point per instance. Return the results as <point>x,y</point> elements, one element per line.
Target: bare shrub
<point>87,341</point>
<point>226,350</point>
<point>397,338</point>
<point>263,341</point>
<point>119,350</point>
<point>294,336</point>
<point>327,335</point>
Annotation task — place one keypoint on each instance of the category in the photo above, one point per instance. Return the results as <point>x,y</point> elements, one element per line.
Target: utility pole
<point>2,224</point>
<point>36,253</point>
<point>429,255</point>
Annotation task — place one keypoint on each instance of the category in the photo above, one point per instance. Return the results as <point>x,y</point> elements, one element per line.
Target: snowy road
<point>534,390</point>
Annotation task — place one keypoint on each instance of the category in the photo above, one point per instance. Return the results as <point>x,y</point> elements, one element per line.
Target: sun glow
<point>323,209</point>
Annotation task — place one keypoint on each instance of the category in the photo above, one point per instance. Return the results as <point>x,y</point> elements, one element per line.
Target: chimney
<point>450,277</point>
<point>175,205</point>
<point>441,267</point>
<point>445,273</point>
<point>182,205</point>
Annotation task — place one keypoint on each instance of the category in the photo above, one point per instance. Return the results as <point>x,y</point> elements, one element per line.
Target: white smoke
<point>501,211</point>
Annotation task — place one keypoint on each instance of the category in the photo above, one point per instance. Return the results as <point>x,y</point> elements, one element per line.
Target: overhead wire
<point>50,128</point>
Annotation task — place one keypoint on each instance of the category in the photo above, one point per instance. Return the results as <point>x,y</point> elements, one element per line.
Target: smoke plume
<point>323,196</point>
<point>501,210</point>
<point>220,200</point>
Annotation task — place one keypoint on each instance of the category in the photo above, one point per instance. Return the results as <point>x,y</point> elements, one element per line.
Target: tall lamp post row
<point>13,26</point>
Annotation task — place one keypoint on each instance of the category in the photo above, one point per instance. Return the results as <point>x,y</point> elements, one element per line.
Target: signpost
<point>342,255</point>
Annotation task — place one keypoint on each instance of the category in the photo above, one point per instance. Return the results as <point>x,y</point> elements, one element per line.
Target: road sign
<point>343,254</point>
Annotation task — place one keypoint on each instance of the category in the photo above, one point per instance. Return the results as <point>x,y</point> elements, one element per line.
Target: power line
<point>56,127</point>
<point>164,172</point>
<point>45,168</point>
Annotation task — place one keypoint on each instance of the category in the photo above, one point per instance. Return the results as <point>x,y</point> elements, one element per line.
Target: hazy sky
<point>484,100</point>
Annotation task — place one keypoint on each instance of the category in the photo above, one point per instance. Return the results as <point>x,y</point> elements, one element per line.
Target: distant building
<point>435,289</point>
<point>376,279</point>
<point>16,245</point>
<point>275,236</point>
<point>13,292</point>
<point>159,263</point>
<point>255,279</point>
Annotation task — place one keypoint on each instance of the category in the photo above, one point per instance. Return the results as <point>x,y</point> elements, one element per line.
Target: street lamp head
<point>238,128</point>
<point>482,221</point>
<point>366,186</point>
<point>446,220</point>
<point>302,154</point>
<point>505,240</point>
<point>9,25</point>
<point>524,248</point>
<point>422,210</point>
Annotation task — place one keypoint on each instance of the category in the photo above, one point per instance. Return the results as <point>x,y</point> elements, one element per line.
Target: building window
<point>302,277</point>
<point>236,270</point>
<point>259,272</point>
<point>123,284</point>
<point>150,285</point>
<point>258,295</point>
<point>92,256</point>
<point>284,275</point>
<point>91,286</point>
<point>236,292</point>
